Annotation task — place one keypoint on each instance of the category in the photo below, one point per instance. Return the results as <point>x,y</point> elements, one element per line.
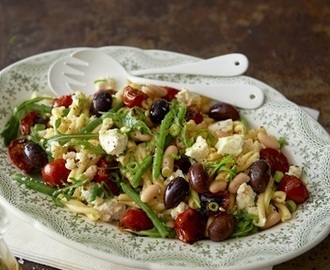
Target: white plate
<point>309,146</point>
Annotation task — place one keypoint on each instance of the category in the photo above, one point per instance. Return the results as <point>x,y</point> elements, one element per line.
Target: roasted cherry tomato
<point>193,113</point>
<point>55,173</point>
<point>16,154</point>
<point>136,220</point>
<point>104,175</point>
<point>133,97</point>
<point>171,92</point>
<point>294,188</point>
<point>276,159</point>
<point>65,101</point>
<point>190,226</point>
<point>29,120</point>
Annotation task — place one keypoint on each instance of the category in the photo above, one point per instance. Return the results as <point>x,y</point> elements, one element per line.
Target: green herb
<point>245,224</point>
<point>12,126</point>
<point>278,175</point>
<point>135,119</point>
<point>292,206</point>
<point>282,141</point>
<point>225,164</point>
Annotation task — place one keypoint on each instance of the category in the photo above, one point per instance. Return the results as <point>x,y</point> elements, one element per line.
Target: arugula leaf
<point>135,119</point>
<point>11,130</point>
<point>223,165</point>
<point>245,224</point>
<point>12,126</point>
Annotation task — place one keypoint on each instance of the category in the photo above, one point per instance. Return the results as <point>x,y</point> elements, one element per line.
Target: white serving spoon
<point>83,67</point>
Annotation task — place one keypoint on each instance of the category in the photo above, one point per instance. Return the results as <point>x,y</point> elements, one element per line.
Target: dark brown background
<point>287,43</point>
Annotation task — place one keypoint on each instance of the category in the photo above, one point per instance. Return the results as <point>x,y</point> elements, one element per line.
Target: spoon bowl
<point>83,67</point>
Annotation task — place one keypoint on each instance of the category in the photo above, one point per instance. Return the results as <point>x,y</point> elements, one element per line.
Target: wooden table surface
<point>287,43</point>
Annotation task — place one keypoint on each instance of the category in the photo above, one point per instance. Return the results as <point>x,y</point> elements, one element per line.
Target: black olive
<point>198,178</point>
<point>259,173</point>
<point>223,111</point>
<point>34,155</point>
<point>221,227</point>
<point>182,164</point>
<point>158,110</point>
<point>102,102</point>
<point>175,192</point>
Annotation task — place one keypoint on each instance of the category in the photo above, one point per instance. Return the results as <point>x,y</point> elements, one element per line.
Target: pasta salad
<point>155,161</point>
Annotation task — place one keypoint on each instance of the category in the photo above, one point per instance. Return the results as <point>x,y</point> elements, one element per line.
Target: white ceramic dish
<point>309,146</point>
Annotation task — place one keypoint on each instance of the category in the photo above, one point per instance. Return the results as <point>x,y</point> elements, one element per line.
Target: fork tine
<point>74,78</point>
<point>77,67</point>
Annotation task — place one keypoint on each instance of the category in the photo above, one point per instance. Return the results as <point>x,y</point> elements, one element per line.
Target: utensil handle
<point>233,64</point>
<point>244,96</point>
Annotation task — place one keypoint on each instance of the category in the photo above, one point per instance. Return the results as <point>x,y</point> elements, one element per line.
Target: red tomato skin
<point>15,152</point>
<point>29,120</point>
<point>294,188</point>
<point>65,101</point>
<point>55,173</point>
<point>133,97</point>
<point>190,226</point>
<point>171,93</point>
<point>276,159</point>
<point>136,220</point>
<point>103,175</point>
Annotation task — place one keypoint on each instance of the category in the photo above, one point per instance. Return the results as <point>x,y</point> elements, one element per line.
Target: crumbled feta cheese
<point>231,145</point>
<point>295,171</point>
<point>224,126</point>
<point>179,209</point>
<point>198,150</point>
<point>113,142</point>
<point>187,98</point>
<point>245,196</point>
<point>111,209</point>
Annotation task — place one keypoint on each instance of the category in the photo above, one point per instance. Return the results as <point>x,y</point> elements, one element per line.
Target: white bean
<point>267,140</point>
<point>237,181</point>
<point>217,186</point>
<point>272,219</point>
<point>149,193</point>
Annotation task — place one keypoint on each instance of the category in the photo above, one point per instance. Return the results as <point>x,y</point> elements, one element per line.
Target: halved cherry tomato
<point>171,92</point>
<point>16,154</point>
<point>133,97</point>
<point>136,220</point>
<point>276,159</point>
<point>190,226</point>
<point>65,101</point>
<point>55,173</point>
<point>29,120</point>
<point>294,188</point>
<point>103,175</point>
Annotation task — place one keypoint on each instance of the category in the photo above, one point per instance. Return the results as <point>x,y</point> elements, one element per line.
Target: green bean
<point>161,228</point>
<point>160,144</point>
<point>34,184</point>
<point>146,162</point>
